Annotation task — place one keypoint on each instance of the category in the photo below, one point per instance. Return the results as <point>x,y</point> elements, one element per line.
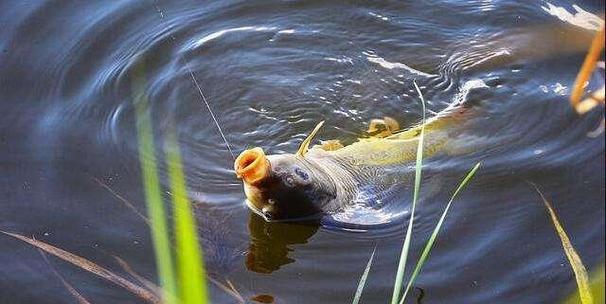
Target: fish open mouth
<point>252,166</point>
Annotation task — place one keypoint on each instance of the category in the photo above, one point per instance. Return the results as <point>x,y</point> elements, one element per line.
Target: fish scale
<point>379,169</point>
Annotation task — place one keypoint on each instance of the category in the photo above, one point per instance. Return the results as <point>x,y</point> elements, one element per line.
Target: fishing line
<point>211,112</point>
<point>193,77</point>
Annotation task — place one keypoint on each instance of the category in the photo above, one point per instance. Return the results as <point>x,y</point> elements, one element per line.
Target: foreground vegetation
<point>180,265</point>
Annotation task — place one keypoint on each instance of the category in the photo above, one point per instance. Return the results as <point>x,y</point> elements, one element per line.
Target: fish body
<point>373,171</point>
<point>370,172</point>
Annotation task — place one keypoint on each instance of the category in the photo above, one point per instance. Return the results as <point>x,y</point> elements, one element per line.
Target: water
<point>270,72</point>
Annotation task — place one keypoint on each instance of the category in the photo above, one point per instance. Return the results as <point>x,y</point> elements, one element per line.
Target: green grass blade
<point>436,230</point>
<point>362,282</point>
<point>580,272</point>
<point>153,194</point>
<point>190,265</point>
<point>596,285</point>
<point>406,246</point>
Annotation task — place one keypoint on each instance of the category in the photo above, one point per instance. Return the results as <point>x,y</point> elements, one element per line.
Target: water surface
<point>270,71</point>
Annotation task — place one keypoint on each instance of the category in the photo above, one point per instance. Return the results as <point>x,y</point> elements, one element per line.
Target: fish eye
<point>302,174</point>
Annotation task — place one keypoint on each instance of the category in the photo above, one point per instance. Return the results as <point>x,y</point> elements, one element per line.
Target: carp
<point>326,178</point>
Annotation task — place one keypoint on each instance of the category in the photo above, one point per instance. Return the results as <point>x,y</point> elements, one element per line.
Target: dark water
<point>271,71</point>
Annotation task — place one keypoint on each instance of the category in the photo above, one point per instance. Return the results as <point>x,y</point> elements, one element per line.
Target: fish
<point>327,178</point>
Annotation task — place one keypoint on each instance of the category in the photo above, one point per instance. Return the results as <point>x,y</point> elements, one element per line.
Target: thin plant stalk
<point>141,292</point>
<point>153,195</point>
<point>191,272</point>
<point>71,289</point>
<point>406,246</point>
<point>589,64</point>
<point>579,270</point>
<point>362,282</point>
<point>434,234</point>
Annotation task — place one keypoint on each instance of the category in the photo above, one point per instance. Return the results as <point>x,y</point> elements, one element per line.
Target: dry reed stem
<point>588,66</point>
<point>79,298</point>
<point>90,267</point>
<point>579,270</point>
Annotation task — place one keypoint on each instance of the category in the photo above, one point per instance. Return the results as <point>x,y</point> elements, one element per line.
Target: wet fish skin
<point>308,184</point>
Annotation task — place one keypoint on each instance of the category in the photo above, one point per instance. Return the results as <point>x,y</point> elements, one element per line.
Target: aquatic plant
<point>363,278</point>
<point>589,64</point>
<point>587,291</point>
<point>436,230</point>
<point>73,291</point>
<point>417,185</point>
<point>596,287</point>
<point>429,245</point>
<point>191,272</point>
<point>142,292</point>
<point>189,286</point>
<point>153,195</point>
<point>580,272</point>
<point>398,282</point>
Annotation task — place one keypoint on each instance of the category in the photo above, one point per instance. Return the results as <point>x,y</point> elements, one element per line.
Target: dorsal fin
<point>305,144</point>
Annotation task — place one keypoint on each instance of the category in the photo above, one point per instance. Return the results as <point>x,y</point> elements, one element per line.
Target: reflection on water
<point>271,242</point>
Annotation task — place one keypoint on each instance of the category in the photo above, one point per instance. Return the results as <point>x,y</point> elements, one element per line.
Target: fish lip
<point>256,210</point>
<point>246,168</point>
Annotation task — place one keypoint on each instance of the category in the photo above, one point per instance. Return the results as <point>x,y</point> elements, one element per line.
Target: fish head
<point>283,187</point>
